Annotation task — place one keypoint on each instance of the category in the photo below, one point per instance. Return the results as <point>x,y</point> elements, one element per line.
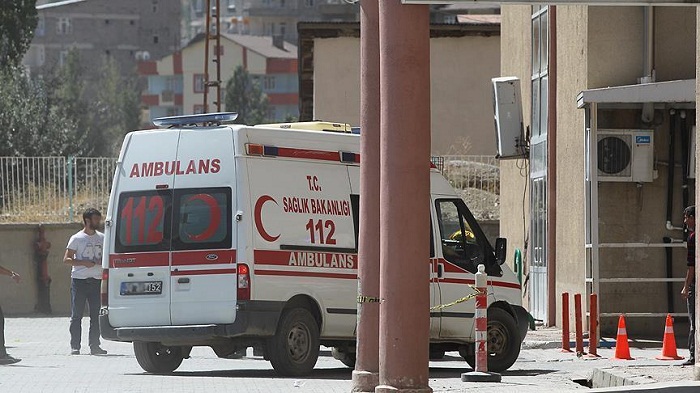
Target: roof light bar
<point>190,120</point>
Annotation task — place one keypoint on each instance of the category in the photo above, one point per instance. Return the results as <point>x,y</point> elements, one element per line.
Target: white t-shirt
<point>87,248</point>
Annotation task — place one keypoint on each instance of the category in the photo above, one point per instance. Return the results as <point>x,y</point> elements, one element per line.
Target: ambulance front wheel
<point>503,342</point>
<point>293,350</point>
<point>157,358</point>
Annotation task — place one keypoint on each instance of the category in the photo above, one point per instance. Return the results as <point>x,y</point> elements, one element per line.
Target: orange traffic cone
<point>669,351</point>
<point>622,346</point>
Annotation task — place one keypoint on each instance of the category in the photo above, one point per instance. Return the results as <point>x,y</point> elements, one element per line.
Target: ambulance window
<point>203,219</point>
<point>459,244</point>
<point>143,221</point>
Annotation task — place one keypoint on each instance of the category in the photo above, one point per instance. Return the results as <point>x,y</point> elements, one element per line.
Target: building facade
<point>176,82</point>
<point>583,229</point>
<point>266,17</point>
<point>462,115</point>
<point>125,30</point>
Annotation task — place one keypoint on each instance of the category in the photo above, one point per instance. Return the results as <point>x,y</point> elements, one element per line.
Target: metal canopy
<point>659,92</point>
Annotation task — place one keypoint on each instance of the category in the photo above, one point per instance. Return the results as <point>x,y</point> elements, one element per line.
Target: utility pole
<point>212,34</point>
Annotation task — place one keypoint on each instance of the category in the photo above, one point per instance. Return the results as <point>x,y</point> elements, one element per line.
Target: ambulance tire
<point>503,332</point>
<point>157,358</point>
<point>294,349</point>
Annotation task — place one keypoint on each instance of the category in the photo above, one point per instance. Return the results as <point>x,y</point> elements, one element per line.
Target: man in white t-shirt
<point>84,254</point>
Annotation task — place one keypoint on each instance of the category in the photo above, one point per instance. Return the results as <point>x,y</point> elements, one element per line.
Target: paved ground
<point>47,367</point>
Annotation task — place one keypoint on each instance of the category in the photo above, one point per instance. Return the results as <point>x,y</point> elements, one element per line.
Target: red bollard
<point>593,328</point>
<point>565,344</point>
<point>579,324</point>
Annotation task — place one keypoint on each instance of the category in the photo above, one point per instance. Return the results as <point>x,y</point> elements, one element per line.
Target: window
<point>131,22</point>
<point>199,83</point>
<point>308,3</point>
<point>269,83</point>
<point>64,26</point>
<point>155,39</point>
<point>106,21</point>
<point>283,29</point>
<point>203,219</point>
<point>62,56</point>
<point>143,222</point>
<point>173,111</point>
<point>40,26</point>
<point>198,109</point>
<point>459,242</point>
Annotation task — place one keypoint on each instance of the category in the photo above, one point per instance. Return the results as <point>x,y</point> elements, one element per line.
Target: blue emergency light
<point>191,120</point>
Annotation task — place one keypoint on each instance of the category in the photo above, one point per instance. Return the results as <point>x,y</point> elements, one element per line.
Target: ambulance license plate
<point>141,288</point>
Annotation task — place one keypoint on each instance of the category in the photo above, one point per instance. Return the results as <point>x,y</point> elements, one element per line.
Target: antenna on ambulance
<point>212,33</point>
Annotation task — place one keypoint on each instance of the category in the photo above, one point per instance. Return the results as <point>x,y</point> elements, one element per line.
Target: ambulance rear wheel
<point>503,342</point>
<point>157,358</point>
<point>295,346</point>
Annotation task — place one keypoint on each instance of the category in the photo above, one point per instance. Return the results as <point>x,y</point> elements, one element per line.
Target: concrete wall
<point>461,72</point>
<point>515,49</point>
<point>17,251</point>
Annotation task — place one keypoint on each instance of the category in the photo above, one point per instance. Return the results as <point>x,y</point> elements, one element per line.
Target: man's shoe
<point>74,351</point>
<point>7,359</point>
<point>97,351</point>
<point>689,362</point>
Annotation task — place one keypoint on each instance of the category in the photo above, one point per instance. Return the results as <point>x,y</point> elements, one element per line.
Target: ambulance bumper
<point>253,319</point>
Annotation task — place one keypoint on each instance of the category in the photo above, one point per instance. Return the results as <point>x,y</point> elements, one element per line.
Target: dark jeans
<point>691,314</point>
<point>84,290</point>
<point>3,351</point>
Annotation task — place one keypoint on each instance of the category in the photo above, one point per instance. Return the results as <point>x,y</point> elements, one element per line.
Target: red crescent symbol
<point>214,217</point>
<point>258,218</point>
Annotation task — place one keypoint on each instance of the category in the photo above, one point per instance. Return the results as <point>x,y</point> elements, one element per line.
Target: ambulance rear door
<point>203,266</point>
<point>137,231</point>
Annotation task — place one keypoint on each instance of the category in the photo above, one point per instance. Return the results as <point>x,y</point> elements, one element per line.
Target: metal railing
<point>53,189</point>
<point>477,180</point>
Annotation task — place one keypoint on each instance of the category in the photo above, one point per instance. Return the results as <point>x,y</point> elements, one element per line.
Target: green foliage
<point>57,115</point>
<point>18,19</point>
<point>245,96</point>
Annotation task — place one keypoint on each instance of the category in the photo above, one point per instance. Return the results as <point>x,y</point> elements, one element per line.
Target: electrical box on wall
<point>625,156</point>
<point>508,116</point>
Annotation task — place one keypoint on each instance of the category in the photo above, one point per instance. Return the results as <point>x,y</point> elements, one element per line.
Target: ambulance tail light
<point>104,291</point>
<point>253,149</point>
<point>243,282</point>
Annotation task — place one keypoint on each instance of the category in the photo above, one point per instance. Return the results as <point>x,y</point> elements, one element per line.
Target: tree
<point>117,109</point>
<point>245,97</point>
<point>18,19</point>
<point>67,98</point>
<point>29,125</point>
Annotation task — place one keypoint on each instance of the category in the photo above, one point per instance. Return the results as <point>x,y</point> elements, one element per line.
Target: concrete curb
<point>612,377</point>
<point>665,387</point>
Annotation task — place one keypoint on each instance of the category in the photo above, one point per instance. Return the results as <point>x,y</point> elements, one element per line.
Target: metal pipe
<point>648,77</point>
<point>593,327</point>
<point>685,140</point>
<point>552,171</point>
<point>671,169</point>
<point>669,274</point>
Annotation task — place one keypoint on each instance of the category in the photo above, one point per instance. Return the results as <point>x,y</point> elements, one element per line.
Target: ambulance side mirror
<point>500,251</point>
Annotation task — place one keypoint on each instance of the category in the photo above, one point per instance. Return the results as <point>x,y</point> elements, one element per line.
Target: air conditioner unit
<point>625,156</point>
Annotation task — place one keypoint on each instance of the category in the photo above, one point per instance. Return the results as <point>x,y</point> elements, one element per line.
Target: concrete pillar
<point>366,375</point>
<point>404,323</point>
<point>697,191</point>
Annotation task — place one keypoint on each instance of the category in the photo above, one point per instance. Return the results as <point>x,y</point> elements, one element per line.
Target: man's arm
<point>689,277</point>
<point>69,259</point>
<point>7,272</point>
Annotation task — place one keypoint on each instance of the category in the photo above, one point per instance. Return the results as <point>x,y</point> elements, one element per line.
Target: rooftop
<point>474,19</point>
<point>261,45</point>
<point>58,4</point>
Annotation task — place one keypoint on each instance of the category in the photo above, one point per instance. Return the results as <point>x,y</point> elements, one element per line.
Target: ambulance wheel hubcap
<point>497,338</point>
<point>298,342</point>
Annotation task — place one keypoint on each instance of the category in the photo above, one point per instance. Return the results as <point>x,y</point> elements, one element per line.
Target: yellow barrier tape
<point>458,301</point>
<point>368,299</point>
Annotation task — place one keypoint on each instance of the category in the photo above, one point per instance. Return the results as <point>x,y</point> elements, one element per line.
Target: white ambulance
<point>233,236</point>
